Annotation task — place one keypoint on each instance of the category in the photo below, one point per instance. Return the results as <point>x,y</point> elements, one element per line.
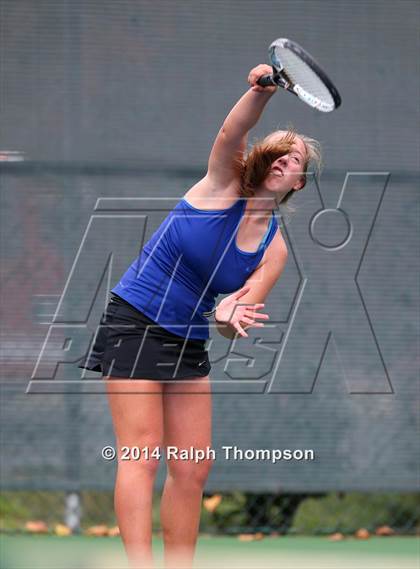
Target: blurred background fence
<point>109,110</point>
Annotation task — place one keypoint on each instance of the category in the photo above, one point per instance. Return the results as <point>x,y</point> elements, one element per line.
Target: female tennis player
<point>222,237</point>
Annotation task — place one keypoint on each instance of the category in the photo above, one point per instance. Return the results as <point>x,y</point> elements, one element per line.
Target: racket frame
<point>281,79</point>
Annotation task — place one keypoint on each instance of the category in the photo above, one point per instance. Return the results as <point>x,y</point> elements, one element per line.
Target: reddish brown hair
<point>255,166</point>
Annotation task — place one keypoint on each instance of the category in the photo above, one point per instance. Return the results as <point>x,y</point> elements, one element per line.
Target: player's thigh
<point>187,413</point>
<point>137,411</point>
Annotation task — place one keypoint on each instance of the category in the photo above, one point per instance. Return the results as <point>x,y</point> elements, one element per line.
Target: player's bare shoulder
<point>205,195</point>
<point>276,253</point>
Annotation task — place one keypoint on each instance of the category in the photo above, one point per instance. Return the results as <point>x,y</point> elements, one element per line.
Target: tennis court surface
<point>74,552</point>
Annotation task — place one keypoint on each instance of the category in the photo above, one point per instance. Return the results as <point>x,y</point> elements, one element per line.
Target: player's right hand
<point>258,72</point>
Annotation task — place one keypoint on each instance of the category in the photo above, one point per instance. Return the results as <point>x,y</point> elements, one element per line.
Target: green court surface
<point>78,552</point>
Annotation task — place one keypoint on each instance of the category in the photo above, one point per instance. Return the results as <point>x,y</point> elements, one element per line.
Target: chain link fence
<point>234,513</point>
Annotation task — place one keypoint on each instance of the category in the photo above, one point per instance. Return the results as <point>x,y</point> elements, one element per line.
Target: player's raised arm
<point>231,140</point>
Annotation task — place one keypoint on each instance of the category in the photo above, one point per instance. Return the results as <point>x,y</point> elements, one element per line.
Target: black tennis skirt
<point>130,345</point>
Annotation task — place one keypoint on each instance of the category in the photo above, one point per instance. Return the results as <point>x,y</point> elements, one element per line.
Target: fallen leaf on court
<point>113,532</point>
<point>362,533</point>
<point>336,536</point>
<point>62,530</point>
<point>251,536</point>
<point>210,504</point>
<point>384,530</point>
<point>36,526</point>
<point>97,531</point>
<point>245,537</point>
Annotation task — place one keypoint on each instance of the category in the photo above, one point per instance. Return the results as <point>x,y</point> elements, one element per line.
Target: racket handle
<point>266,80</point>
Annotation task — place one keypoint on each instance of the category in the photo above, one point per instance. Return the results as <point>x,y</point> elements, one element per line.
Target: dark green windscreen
<point>114,107</point>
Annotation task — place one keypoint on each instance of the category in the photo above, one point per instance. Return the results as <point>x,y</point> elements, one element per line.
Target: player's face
<point>286,171</point>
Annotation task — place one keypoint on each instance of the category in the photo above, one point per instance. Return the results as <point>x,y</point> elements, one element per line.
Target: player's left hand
<point>229,311</point>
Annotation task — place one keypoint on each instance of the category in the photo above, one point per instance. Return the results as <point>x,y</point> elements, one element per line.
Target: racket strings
<point>300,73</point>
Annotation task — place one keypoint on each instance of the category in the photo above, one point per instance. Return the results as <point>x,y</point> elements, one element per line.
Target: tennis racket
<point>297,72</point>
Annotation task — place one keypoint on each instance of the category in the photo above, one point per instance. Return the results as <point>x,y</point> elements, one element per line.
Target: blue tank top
<point>190,259</point>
